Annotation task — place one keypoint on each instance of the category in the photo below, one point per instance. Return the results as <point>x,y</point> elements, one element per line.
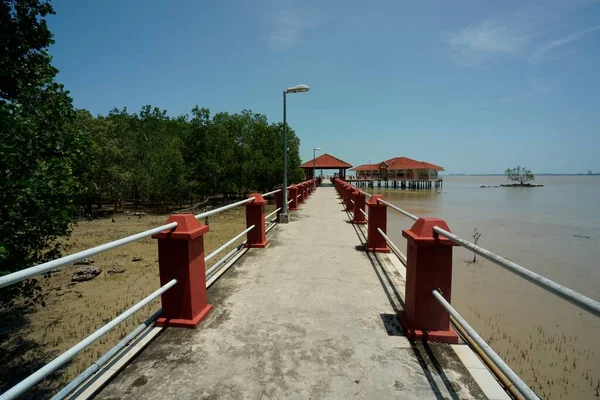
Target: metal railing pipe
<point>270,193</point>
<point>506,370</point>
<point>366,194</point>
<point>224,208</point>
<point>274,212</point>
<point>26,273</point>
<point>590,305</point>
<point>95,367</point>
<point>393,207</point>
<point>393,246</point>
<point>65,357</point>
<point>223,247</point>
<point>365,214</point>
<point>225,257</point>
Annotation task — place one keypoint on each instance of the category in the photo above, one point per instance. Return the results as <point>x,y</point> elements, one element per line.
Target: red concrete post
<point>359,204</point>
<point>429,267</point>
<point>309,188</point>
<point>300,193</point>
<point>181,257</point>
<point>279,202</point>
<point>292,195</point>
<point>349,198</point>
<point>377,219</point>
<point>255,215</point>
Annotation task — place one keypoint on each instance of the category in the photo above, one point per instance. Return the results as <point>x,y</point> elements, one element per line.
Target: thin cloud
<point>288,26</point>
<point>476,43</point>
<point>541,52</point>
<point>511,34</point>
<point>542,88</point>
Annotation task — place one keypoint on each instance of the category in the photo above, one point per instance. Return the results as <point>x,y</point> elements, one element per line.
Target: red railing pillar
<point>300,193</point>
<point>279,202</point>
<point>359,204</point>
<point>255,215</point>
<point>428,267</point>
<point>309,187</point>
<point>349,198</point>
<point>377,219</point>
<point>293,196</point>
<point>181,257</point>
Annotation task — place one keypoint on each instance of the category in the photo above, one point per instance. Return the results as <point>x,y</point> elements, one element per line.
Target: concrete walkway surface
<point>310,317</point>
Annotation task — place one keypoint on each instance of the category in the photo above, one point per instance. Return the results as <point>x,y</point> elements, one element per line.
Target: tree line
<point>57,162</point>
<point>151,159</point>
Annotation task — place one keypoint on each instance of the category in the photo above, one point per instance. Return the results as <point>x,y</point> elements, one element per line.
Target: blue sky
<point>473,86</point>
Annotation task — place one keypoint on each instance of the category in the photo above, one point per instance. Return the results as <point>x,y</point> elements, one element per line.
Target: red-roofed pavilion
<point>402,171</point>
<point>325,161</point>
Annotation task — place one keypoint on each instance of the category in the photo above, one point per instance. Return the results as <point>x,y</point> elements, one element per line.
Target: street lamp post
<point>284,217</point>
<point>314,162</point>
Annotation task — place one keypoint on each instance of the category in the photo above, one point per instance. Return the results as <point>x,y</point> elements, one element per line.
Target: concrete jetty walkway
<point>310,317</point>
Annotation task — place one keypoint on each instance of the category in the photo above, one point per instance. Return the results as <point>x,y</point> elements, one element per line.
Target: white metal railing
<point>393,246</point>
<point>223,247</point>
<point>496,359</point>
<point>26,273</point>
<point>364,213</point>
<point>365,193</point>
<point>270,193</point>
<point>590,305</point>
<point>273,213</point>
<point>224,208</point>
<point>406,213</point>
<point>62,359</point>
<point>95,367</point>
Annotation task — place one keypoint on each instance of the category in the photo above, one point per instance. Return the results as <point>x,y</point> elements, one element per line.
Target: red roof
<point>326,161</point>
<point>366,167</point>
<point>399,163</point>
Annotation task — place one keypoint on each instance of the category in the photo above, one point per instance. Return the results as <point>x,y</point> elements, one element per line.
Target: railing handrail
<point>224,246</point>
<point>590,305</point>
<point>393,246</point>
<point>66,356</point>
<point>586,303</point>
<point>96,365</point>
<point>18,276</point>
<point>224,208</point>
<point>393,207</point>
<point>496,359</point>
<point>364,213</point>
<point>269,215</point>
<point>270,193</point>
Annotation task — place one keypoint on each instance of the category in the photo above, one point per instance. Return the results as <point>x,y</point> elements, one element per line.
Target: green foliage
<point>40,151</point>
<point>519,174</point>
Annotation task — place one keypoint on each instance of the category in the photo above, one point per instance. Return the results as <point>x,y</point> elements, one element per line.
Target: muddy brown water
<point>553,230</point>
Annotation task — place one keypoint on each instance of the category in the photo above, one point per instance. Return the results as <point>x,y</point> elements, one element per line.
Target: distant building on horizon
<point>590,172</point>
<point>398,168</point>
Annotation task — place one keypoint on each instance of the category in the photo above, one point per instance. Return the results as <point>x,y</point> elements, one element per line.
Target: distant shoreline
<point>598,174</point>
